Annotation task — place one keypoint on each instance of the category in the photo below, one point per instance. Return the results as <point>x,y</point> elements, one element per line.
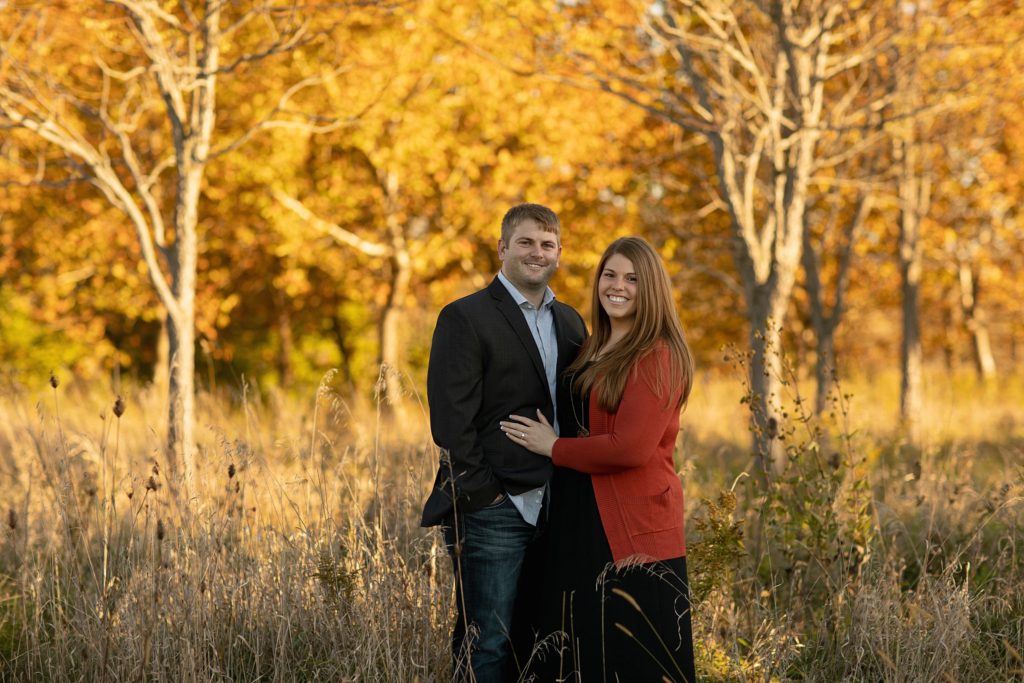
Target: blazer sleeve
<point>639,425</point>
<point>454,393</point>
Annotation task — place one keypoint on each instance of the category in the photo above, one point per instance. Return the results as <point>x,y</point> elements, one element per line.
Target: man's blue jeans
<point>487,548</point>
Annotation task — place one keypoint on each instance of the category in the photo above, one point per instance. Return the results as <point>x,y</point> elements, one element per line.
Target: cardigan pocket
<point>649,514</point>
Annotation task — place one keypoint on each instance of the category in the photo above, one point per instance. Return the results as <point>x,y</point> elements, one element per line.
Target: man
<point>495,353</point>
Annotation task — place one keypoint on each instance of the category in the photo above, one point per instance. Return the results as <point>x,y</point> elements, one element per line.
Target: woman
<point>615,575</point>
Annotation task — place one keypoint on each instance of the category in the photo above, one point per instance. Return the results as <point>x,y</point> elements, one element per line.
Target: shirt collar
<point>549,296</point>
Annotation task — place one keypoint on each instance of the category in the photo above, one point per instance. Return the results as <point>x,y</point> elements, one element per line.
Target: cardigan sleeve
<point>640,423</point>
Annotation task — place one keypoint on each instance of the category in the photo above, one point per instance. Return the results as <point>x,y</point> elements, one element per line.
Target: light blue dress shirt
<point>541,322</point>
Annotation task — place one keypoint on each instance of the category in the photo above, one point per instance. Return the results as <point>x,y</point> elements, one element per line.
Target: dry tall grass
<point>301,558</point>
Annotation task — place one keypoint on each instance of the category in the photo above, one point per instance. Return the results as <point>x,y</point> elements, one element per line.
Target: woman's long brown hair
<point>656,322</point>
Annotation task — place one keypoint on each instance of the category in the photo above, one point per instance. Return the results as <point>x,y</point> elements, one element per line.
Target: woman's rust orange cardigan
<point>629,458</point>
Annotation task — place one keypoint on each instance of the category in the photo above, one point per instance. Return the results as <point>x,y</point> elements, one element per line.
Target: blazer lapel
<point>510,310</point>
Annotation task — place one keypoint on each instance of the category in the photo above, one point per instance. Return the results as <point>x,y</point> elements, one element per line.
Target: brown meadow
<point>301,558</point>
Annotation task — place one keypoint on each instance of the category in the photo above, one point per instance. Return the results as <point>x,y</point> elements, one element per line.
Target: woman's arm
<point>640,423</point>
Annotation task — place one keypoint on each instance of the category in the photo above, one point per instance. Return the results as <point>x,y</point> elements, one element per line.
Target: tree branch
<point>340,234</point>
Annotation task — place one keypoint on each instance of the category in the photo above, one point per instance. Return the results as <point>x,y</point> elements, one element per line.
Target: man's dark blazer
<point>485,366</point>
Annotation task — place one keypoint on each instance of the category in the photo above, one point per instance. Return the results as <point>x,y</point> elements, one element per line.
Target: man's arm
<point>455,392</point>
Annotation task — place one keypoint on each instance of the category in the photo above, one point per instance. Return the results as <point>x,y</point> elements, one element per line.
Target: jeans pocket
<point>496,504</point>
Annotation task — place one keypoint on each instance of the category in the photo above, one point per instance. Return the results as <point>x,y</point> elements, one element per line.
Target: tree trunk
<point>286,343</point>
<point>766,379</point>
<point>824,367</point>
<point>974,319</point>
<point>181,408</point>
<point>949,325</point>
<point>984,359</point>
<point>392,319</point>
<point>191,151</point>
<point>824,331</point>
<point>910,353</point>
<point>390,327</point>
<point>825,324</point>
<point>914,192</point>
<point>162,366</point>
<point>180,436</point>
<point>341,339</point>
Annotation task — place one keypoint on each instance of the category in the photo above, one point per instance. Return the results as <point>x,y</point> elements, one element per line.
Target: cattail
<point>119,406</point>
<point>12,519</point>
<point>160,531</point>
<point>231,471</point>
<point>54,382</point>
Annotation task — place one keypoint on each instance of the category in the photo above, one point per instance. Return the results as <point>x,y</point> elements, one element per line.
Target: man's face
<point>530,257</point>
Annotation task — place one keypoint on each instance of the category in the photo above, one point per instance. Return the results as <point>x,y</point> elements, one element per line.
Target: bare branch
<point>150,8</point>
<point>152,43</point>
<point>103,175</point>
<point>48,184</point>
<point>292,40</point>
<point>186,9</point>
<point>340,234</point>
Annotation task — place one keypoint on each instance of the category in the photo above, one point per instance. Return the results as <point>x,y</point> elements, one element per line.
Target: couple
<point>557,495</point>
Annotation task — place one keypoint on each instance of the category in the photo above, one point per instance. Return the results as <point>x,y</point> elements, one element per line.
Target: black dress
<point>595,633</point>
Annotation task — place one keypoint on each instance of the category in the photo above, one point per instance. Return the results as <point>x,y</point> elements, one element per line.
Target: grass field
<point>301,558</point>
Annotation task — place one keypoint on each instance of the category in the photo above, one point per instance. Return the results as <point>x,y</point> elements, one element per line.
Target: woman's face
<point>616,288</point>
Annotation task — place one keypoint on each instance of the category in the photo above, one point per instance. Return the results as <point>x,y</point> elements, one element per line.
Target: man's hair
<point>544,217</point>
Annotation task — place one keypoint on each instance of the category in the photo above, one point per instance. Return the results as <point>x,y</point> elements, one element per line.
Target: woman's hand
<point>538,437</point>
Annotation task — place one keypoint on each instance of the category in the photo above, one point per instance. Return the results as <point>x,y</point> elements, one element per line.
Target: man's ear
<point>502,248</point>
